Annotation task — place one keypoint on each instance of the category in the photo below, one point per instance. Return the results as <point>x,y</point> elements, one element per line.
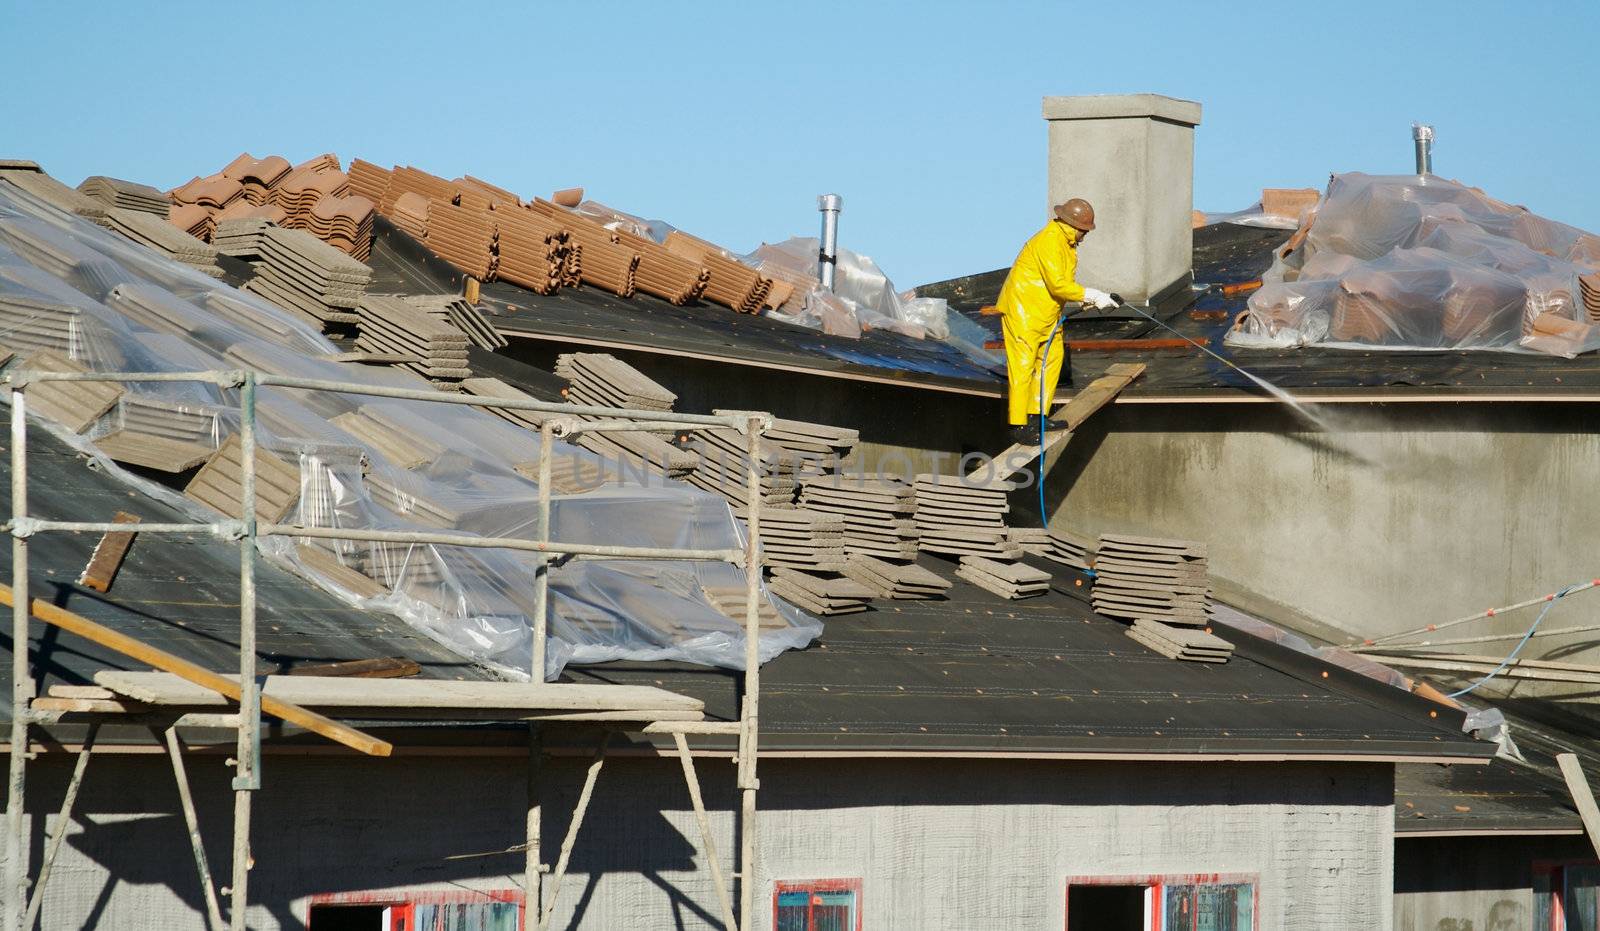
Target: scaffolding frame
<point>22,906</point>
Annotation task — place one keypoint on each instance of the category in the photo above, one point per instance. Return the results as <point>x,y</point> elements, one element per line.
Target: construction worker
<point>1043,278</point>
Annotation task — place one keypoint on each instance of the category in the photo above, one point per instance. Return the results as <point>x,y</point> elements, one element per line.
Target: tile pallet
<point>76,405</point>
<point>1151,579</point>
<point>1181,643</point>
<point>603,261</point>
<point>54,193</point>
<point>604,380</point>
<point>217,484</point>
<point>1012,580</point>
<point>665,274</point>
<point>534,251</point>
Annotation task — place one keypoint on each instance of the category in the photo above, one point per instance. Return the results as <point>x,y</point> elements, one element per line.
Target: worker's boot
<point>1025,434</point>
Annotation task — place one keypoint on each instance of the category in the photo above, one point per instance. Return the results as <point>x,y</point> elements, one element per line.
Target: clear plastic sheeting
<point>77,291</point>
<point>1409,262</point>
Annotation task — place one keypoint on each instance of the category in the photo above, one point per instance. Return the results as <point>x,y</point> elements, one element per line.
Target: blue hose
<point>1044,518</point>
<point>1520,644</point>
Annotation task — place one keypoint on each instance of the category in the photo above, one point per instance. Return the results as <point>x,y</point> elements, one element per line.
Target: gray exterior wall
<point>1409,514</point>
<point>1472,883</point>
<point>959,844</point>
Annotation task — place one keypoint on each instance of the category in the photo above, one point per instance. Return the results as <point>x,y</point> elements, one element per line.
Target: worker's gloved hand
<point>1098,299</point>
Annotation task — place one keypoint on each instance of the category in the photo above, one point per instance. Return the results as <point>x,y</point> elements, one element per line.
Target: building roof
<point>1228,257</point>
<point>1501,798</point>
<point>585,316</point>
<point>977,675</point>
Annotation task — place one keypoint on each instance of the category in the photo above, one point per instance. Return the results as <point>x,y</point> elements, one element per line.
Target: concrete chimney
<point>1132,157</point>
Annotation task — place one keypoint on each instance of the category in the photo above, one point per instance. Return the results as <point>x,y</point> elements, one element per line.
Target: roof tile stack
<point>307,185</point>
<point>126,195</point>
<point>344,223</point>
<point>964,516</point>
<point>296,270</point>
<point>1184,643</point>
<point>1151,579</point>
<point>244,210</point>
<point>1057,546</point>
<point>800,538</point>
<point>723,456</point>
<point>820,594</point>
<point>1012,580</point>
<point>481,191</point>
<point>462,236</point>
<point>1589,287</point>
<point>154,231</point>
<point>410,213</point>
<point>369,180</point>
<point>258,176</point>
<point>195,220</point>
<point>390,324</point>
<point>877,512</point>
<point>461,314</point>
<point>602,380</point>
<point>900,581</point>
<point>663,273</point>
<point>76,405</point>
<point>28,177</point>
<point>533,249</point>
<point>733,284</point>
<point>602,260</point>
<point>408,180</point>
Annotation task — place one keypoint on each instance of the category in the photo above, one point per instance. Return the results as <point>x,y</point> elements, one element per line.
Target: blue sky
<point>727,119</point>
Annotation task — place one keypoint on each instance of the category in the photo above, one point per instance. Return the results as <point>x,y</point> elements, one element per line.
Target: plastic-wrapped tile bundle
<point>123,307</point>
<point>1424,263</point>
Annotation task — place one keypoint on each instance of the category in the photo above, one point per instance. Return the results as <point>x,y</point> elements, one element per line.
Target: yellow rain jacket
<point>1043,277</point>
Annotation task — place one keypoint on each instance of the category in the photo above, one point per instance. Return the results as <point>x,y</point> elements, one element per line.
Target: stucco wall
<point>937,845</point>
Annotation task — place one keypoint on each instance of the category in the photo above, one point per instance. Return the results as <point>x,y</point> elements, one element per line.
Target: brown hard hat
<point>1076,213</point>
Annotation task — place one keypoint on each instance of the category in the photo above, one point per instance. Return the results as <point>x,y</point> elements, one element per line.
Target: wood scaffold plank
<point>167,662</point>
<point>1067,418</point>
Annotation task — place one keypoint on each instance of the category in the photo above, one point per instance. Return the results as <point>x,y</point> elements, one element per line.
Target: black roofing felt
<point>589,316</point>
<point>976,673</point>
<point>1231,254</point>
<point>180,594</point>
<point>1502,797</point>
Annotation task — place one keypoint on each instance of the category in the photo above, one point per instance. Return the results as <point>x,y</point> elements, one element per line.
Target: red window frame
<point>817,885</point>
<point>406,901</point>
<point>1156,882</point>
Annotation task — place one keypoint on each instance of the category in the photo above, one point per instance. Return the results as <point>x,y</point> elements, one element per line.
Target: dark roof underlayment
<point>1501,798</point>
<point>975,674</point>
<point>1229,255</point>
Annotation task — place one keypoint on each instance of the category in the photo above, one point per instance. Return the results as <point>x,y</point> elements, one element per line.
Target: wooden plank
<point>208,683</point>
<point>108,555</point>
<point>1128,345</point>
<point>382,667</point>
<point>88,705</point>
<point>1067,418</point>
<point>1578,785</point>
<point>397,694</point>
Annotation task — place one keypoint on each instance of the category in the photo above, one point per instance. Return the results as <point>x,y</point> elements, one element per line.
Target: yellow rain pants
<point>1041,280</point>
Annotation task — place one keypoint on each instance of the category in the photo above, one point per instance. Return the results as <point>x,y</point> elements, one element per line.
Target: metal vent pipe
<point>828,255</point>
<point>1422,135</point>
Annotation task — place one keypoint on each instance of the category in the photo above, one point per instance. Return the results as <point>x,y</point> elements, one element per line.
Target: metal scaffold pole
<point>247,774</point>
<point>16,891</point>
<point>748,734</point>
